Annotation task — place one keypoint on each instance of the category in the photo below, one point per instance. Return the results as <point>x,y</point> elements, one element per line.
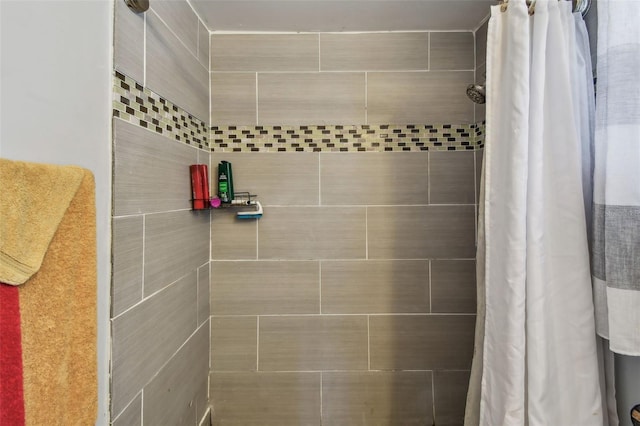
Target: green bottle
<point>225,182</point>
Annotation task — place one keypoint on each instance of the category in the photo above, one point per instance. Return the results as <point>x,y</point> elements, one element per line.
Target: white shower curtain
<point>537,364</point>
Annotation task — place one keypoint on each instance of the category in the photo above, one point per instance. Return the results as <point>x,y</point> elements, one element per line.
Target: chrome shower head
<point>476,92</point>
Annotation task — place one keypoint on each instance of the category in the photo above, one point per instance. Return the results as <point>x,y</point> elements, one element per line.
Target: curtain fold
<point>536,359</point>
<point>616,208</point>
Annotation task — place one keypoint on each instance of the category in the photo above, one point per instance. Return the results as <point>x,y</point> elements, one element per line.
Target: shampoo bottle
<point>225,182</point>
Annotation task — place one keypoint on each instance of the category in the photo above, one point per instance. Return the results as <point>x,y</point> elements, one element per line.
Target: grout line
<point>428,179</point>
<point>321,384</point>
<point>144,51</point>
<point>144,241</point>
<point>366,233</point>
<point>366,97</point>
<point>390,370</point>
<point>430,285</point>
<point>257,240</point>
<point>257,114</point>
<point>209,362</point>
<point>377,314</point>
<point>257,343</point>
<point>429,51</point>
<point>433,396</point>
<point>475,72</point>
<point>475,54</point>
<point>368,344</point>
<point>356,206</point>
<point>319,179</point>
<point>320,283</point>
<point>243,32</point>
<point>475,178</point>
<point>341,260</point>
<point>319,53</point>
<point>476,195</point>
<point>141,406</point>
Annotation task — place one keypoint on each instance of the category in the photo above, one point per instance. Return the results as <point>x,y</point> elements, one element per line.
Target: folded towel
<point>49,235</point>
<point>34,199</point>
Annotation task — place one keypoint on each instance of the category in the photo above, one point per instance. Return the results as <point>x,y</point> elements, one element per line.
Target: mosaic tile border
<point>479,134</point>
<point>142,107</point>
<point>345,138</point>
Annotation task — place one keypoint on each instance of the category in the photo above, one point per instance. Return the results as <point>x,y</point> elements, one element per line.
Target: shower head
<point>476,92</point>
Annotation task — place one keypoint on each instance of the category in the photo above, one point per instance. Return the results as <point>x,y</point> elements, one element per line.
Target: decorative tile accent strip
<point>344,138</point>
<point>140,106</point>
<point>479,134</point>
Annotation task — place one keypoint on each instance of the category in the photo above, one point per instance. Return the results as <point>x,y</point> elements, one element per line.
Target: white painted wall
<point>55,88</point>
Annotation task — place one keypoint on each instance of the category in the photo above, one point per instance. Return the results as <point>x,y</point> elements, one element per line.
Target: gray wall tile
<point>312,233</point>
<point>181,19</point>
<point>202,403</point>
<point>450,396</point>
<point>451,51</point>
<point>151,172</point>
<point>311,98</point>
<point>266,399</point>
<point>137,351</point>
<point>295,230</point>
<point>410,232</point>
<point>377,398</point>
<point>204,297</point>
<point>306,343</point>
<point>421,342</point>
<point>419,97</point>
<point>175,244</point>
<point>173,71</point>
<point>481,44</point>
<point>451,177</point>
<point>265,287</point>
<point>203,45</point>
<point>481,109</point>
<point>453,286</point>
<point>127,263</point>
<point>264,52</point>
<point>374,178</point>
<point>204,157</point>
<point>234,343</point>
<point>231,238</point>
<point>172,396</point>
<point>371,286</point>
<point>278,179</point>
<point>128,39</point>
<point>233,99</point>
<point>132,415</point>
<point>374,51</point>
<point>479,157</point>
<point>206,420</point>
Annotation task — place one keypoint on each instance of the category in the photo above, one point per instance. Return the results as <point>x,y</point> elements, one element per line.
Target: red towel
<point>11,390</point>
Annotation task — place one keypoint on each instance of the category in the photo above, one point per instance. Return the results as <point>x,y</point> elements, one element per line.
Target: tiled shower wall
<point>370,78</point>
<point>160,284</point>
<point>481,67</point>
<point>352,300</point>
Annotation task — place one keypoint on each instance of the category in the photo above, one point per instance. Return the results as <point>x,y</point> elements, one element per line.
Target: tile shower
<point>352,300</point>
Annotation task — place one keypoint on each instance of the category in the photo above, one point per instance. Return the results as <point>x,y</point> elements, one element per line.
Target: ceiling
<point>339,16</point>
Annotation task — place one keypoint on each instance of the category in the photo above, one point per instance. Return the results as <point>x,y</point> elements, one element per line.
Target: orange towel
<point>34,199</point>
<point>58,302</point>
